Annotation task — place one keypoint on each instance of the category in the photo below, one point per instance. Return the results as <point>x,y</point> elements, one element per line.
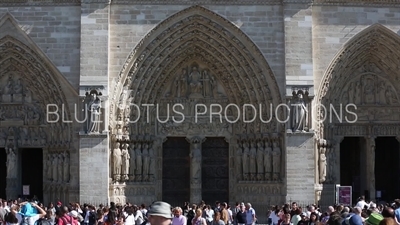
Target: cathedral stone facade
<point>111,100</point>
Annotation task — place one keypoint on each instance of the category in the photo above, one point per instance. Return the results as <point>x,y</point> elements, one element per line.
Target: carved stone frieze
<point>357,2</point>
<point>198,31</point>
<point>265,194</point>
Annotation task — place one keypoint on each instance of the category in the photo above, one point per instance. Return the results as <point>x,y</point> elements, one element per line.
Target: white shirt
<point>274,218</point>
<point>361,204</point>
<point>249,216</point>
<point>130,220</point>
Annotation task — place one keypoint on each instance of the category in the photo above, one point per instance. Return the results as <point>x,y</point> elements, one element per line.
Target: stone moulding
<point>199,2</point>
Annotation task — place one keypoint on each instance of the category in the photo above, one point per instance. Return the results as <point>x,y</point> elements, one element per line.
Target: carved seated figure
<point>17,91</point>
<point>7,91</point>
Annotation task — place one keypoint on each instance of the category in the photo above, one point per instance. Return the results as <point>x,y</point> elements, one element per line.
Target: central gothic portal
<point>165,144</point>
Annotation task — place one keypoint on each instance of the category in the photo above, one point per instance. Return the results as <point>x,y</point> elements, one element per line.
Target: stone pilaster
<point>300,156</point>
<point>195,168</point>
<point>370,166</point>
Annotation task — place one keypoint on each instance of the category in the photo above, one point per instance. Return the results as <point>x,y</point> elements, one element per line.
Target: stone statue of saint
<point>117,161</point>
<point>8,89</point>
<point>276,159</point>
<point>253,163</point>
<point>17,89</point>
<point>11,163</point>
<point>322,164</point>
<point>245,160</point>
<point>351,92</point>
<point>120,132</point>
<point>357,93</point>
<point>55,166</point>
<point>195,155</point>
<point>195,83</point>
<point>299,113</point>
<point>207,90</point>
<point>146,162</point>
<point>125,134</point>
<point>125,162</point>
<point>94,108</point>
<point>49,168</point>
<point>214,86</point>
<point>132,162</point>
<point>267,160</point>
<point>238,161</point>
<point>139,162</point>
<point>152,166</point>
<point>60,168</point>
<point>260,163</point>
<point>66,167</point>
<point>182,84</point>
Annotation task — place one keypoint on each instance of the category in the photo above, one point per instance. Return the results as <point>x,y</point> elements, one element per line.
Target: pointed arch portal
<point>196,57</point>
<point>363,79</point>
<point>31,138</point>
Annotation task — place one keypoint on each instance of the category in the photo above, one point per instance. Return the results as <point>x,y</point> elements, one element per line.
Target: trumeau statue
<point>196,161</point>
<point>11,163</point>
<point>322,161</point>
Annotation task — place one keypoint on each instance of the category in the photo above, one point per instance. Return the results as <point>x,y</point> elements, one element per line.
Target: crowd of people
<point>363,213</point>
<point>161,213</point>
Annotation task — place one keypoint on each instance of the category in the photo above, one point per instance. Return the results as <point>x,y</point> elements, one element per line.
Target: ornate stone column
<point>195,168</point>
<point>370,163</point>
<point>334,165</point>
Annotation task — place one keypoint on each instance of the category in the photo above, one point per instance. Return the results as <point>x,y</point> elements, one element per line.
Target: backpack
<point>92,218</point>
<point>42,221</point>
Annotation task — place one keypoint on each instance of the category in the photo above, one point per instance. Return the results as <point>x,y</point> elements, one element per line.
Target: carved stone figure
<point>146,162</point>
<point>369,91</point>
<point>17,87</point>
<point>214,86</point>
<point>381,93</point>
<point>66,167</point>
<point>60,168</point>
<point>7,90</point>
<point>253,163</point>
<point>299,113</point>
<point>152,166</point>
<point>391,97</point>
<point>276,159</point>
<point>245,160</point>
<point>357,95</point>
<point>195,155</point>
<point>183,84</point>
<point>125,162</point>
<point>351,92</point>
<point>117,161</point>
<point>139,162</point>
<point>11,163</point>
<point>49,168</point>
<point>54,167</point>
<point>43,136</point>
<point>238,162</point>
<point>120,132</point>
<point>267,160</point>
<point>207,90</point>
<point>322,162</point>
<point>195,83</point>
<point>260,162</point>
<point>94,108</point>
<point>125,134</point>
<point>132,162</point>
<point>28,96</point>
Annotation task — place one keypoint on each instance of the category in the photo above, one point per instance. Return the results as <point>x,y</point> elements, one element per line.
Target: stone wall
<point>56,30</point>
<point>334,26</point>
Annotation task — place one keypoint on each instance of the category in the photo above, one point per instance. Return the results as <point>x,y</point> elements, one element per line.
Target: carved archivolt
<point>195,35</point>
<point>27,88</point>
<point>364,72</point>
